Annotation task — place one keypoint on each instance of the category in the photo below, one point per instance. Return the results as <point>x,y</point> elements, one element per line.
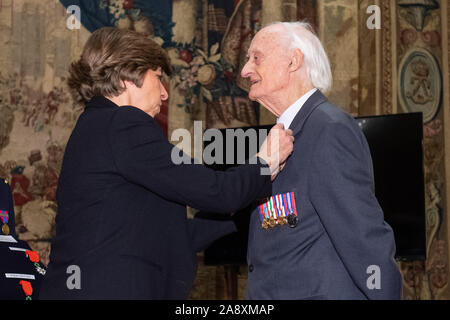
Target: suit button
<point>250,268</point>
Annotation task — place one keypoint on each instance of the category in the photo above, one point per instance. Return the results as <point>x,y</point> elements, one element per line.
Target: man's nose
<point>245,72</point>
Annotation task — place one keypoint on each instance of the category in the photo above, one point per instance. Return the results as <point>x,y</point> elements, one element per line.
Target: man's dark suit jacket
<point>122,209</point>
<point>341,237</point>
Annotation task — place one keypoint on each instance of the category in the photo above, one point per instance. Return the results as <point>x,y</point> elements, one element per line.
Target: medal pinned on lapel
<point>27,288</point>
<point>292,218</point>
<point>34,257</point>
<point>264,215</point>
<point>280,210</point>
<point>4,216</point>
<point>272,222</point>
<point>264,224</point>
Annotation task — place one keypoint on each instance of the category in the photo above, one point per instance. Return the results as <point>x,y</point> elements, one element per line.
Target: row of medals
<point>291,220</point>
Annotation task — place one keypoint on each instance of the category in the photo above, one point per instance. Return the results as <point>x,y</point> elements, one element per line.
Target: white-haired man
<point>322,234</point>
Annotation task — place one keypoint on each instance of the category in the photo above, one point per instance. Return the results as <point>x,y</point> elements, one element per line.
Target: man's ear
<point>296,60</point>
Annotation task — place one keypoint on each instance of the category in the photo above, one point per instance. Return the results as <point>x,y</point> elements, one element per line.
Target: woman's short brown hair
<point>111,56</point>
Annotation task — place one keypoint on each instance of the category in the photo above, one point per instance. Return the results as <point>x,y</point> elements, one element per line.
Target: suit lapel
<point>314,101</point>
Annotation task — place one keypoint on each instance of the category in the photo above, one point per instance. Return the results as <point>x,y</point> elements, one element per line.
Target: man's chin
<point>252,96</point>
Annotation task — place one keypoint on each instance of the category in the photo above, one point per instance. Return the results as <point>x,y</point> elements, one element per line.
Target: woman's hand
<point>277,147</point>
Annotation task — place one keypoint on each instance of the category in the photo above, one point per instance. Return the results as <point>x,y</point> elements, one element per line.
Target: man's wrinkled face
<point>267,67</point>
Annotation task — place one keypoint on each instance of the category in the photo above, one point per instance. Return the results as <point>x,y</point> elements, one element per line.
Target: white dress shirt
<point>289,114</point>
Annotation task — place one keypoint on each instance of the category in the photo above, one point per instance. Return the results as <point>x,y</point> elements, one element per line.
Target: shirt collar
<point>289,114</point>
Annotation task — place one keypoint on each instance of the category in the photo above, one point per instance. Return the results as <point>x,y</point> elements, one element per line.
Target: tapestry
<point>205,69</point>
<point>36,111</point>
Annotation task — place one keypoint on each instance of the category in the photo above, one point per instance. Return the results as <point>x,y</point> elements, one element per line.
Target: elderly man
<point>322,234</point>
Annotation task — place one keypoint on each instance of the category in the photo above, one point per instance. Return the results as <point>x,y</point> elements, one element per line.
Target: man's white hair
<point>301,35</point>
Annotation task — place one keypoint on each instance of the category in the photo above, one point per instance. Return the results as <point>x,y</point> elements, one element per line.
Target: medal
<point>4,215</point>
<point>281,210</point>
<point>39,269</point>
<point>292,220</point>
<point>276,211</point>
<point>27,288</point>
<point>263,215</point>
<point>5,229</point>
<point>272,222</point>
<point>34,257</point>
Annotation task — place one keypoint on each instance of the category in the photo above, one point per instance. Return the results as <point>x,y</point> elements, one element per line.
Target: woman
<point>121,221</point>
